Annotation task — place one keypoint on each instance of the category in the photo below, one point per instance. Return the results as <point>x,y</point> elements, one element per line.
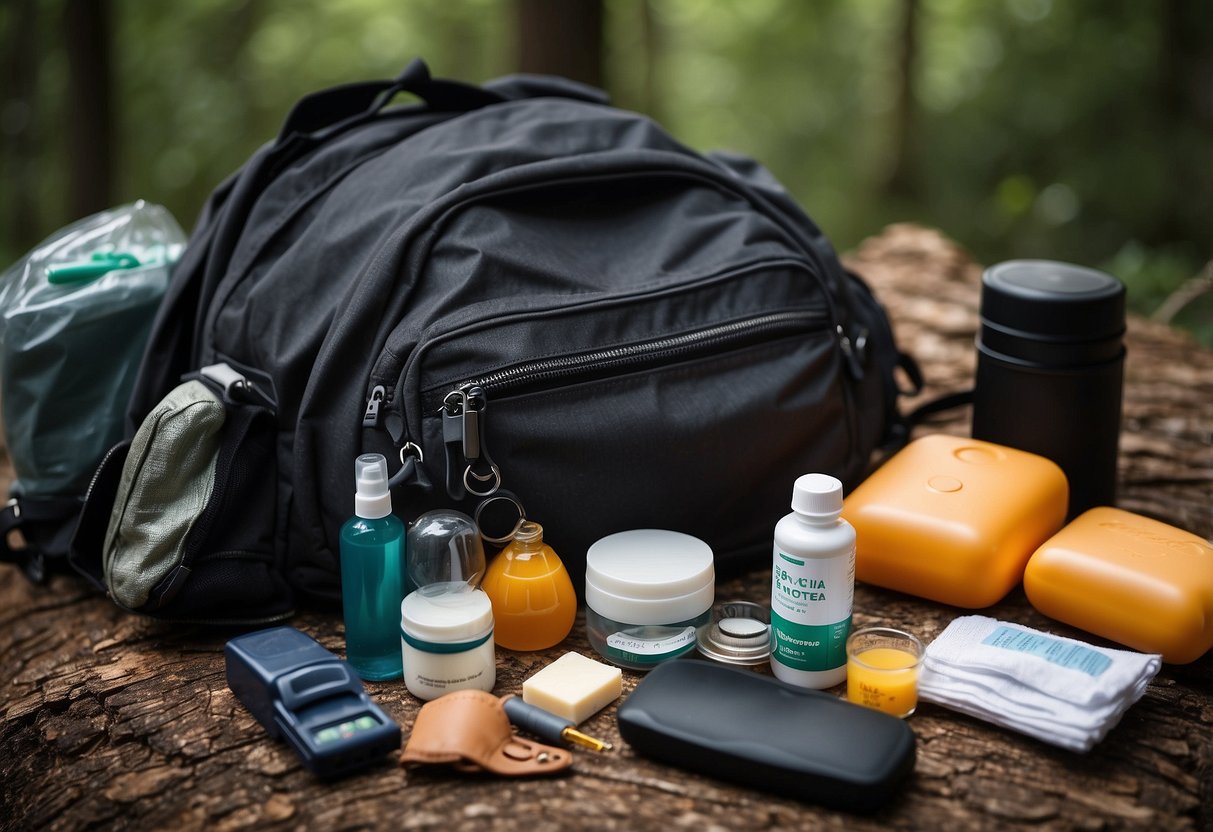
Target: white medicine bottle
<point>812,586</point>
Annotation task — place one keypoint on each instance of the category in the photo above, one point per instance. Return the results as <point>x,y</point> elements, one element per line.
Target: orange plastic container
<point>954,520</point>
<point>1130,579</point>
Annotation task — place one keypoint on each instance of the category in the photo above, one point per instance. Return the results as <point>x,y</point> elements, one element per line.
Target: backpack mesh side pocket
<point>191,501</point>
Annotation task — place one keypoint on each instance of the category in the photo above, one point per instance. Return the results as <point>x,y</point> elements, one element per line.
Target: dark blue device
<point>304,694</point>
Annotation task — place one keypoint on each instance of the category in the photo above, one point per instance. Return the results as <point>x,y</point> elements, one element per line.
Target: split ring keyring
<point>510,498</point>
<point>408,466</point>
<point>494,475</point>
<point>414,450</point>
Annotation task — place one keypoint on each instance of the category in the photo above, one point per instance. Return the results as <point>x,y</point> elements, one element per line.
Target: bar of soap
<point>573,687</point>
<point>1130,579</point>
<point>954,520</point>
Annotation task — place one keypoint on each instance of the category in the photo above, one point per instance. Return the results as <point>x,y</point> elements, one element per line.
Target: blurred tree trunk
<point>90,106</point>
<point>901,180</point>
<point>1186,57</point>
<point>233,57</point>
<point>561,37</point>
<point>651,37</point>
<point>19,79</point>
<point>1185,90</point>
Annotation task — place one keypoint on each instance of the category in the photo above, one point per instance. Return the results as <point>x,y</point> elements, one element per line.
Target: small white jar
<point>446,642</point>
<point>646,593</point>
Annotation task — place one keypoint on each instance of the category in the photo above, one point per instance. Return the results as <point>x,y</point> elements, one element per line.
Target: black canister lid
<point>1043,311</point>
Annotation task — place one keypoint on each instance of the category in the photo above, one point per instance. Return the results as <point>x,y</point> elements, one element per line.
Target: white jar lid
<point>448,618</point>
<point>649,576</point>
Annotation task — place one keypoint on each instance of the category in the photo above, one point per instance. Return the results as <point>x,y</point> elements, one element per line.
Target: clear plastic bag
<point>74,319</point>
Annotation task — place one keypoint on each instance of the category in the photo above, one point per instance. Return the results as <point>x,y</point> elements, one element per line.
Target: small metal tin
<point>739,633</point>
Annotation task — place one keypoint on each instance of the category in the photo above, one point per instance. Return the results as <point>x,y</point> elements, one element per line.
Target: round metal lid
<point>739,633</point>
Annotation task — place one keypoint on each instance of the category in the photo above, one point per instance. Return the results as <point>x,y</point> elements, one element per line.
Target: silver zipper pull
<point>469,467</point>
<point>849,353</point>
<point>473,407</point>
<point>452,441</point>
<point>481,477</point>
<point>452,417</point>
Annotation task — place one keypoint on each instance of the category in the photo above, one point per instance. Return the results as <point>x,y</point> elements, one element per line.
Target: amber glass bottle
<point>534,603</point>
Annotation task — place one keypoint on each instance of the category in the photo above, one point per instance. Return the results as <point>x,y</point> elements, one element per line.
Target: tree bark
<point>111,719</point>
<point>561,37</point>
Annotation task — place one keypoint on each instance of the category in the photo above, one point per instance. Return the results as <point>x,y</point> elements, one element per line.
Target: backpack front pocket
<point>695,432</point>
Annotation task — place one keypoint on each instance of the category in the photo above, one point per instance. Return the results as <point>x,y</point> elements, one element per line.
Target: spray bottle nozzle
<point>371,498</point>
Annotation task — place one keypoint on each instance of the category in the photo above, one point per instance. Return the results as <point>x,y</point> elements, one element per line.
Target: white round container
<point>646,593</point>
<point>446,642</point>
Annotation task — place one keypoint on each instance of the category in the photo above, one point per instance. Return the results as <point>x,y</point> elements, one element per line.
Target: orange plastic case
<point>1130,579</point>
<point>955,520</point>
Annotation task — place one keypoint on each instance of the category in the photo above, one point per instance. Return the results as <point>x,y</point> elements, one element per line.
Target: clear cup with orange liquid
<point>882,670</point>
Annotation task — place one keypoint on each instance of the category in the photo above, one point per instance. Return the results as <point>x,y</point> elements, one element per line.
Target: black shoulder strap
<point>46,524</point>
<point>902,426</point>
<point>524,85</point>
<point>335,108</point>
<point>947,402</point>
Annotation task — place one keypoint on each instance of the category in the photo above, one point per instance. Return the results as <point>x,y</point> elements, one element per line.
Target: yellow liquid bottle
<point>884,678</point>
<point>534,604</point>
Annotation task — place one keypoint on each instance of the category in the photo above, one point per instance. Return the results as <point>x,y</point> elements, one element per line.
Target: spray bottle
<point>812,586</point>
<point>373,574</point>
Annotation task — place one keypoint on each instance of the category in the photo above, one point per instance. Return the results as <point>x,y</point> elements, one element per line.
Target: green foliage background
<point>1042,128</point>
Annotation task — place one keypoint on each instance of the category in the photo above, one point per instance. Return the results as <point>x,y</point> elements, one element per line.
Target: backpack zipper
<point>378,397</point>
<point>463,408</point>
<point>606,361</point>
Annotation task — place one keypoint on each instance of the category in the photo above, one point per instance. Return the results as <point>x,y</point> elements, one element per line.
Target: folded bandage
<point>1056,689</point>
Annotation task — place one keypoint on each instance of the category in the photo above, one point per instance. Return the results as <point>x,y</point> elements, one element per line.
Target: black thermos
<point>1050,370</point>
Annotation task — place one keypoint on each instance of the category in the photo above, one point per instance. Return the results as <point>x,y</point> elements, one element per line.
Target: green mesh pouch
<point>166,481</point>
<point>179,522</point>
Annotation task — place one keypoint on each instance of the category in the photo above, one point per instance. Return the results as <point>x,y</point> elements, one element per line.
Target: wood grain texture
<point>116,721</point>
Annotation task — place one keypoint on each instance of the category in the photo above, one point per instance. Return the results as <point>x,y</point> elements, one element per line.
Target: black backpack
<point>513,287</point>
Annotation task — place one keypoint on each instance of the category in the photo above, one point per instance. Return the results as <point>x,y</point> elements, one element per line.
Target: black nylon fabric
<point>416,250</point>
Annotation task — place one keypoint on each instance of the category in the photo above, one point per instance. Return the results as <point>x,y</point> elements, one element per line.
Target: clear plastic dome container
<point>445,553</point>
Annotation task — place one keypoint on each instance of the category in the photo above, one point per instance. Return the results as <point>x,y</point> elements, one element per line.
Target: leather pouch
<point>469,731</point>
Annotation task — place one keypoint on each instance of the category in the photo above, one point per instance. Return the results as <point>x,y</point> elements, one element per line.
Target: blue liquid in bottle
<point>373,577</point>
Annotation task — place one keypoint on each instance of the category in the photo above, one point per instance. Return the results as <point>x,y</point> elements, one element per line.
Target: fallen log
<point>107,719</point>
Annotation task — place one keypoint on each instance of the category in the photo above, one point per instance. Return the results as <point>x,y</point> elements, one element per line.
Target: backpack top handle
<point>335,106</point>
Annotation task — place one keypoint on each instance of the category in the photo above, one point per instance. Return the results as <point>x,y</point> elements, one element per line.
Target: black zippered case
<point>518,286</point>
<point>736,725</point>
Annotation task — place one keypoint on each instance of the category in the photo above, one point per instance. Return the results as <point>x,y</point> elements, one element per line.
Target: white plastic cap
<point>818,496</point>
<point>447,619</point>
<point>649,576</point>
<point>372,498</point>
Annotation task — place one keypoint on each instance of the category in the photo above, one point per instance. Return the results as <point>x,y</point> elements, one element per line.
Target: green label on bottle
<point>811,609</point>
<point>809,646</point>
